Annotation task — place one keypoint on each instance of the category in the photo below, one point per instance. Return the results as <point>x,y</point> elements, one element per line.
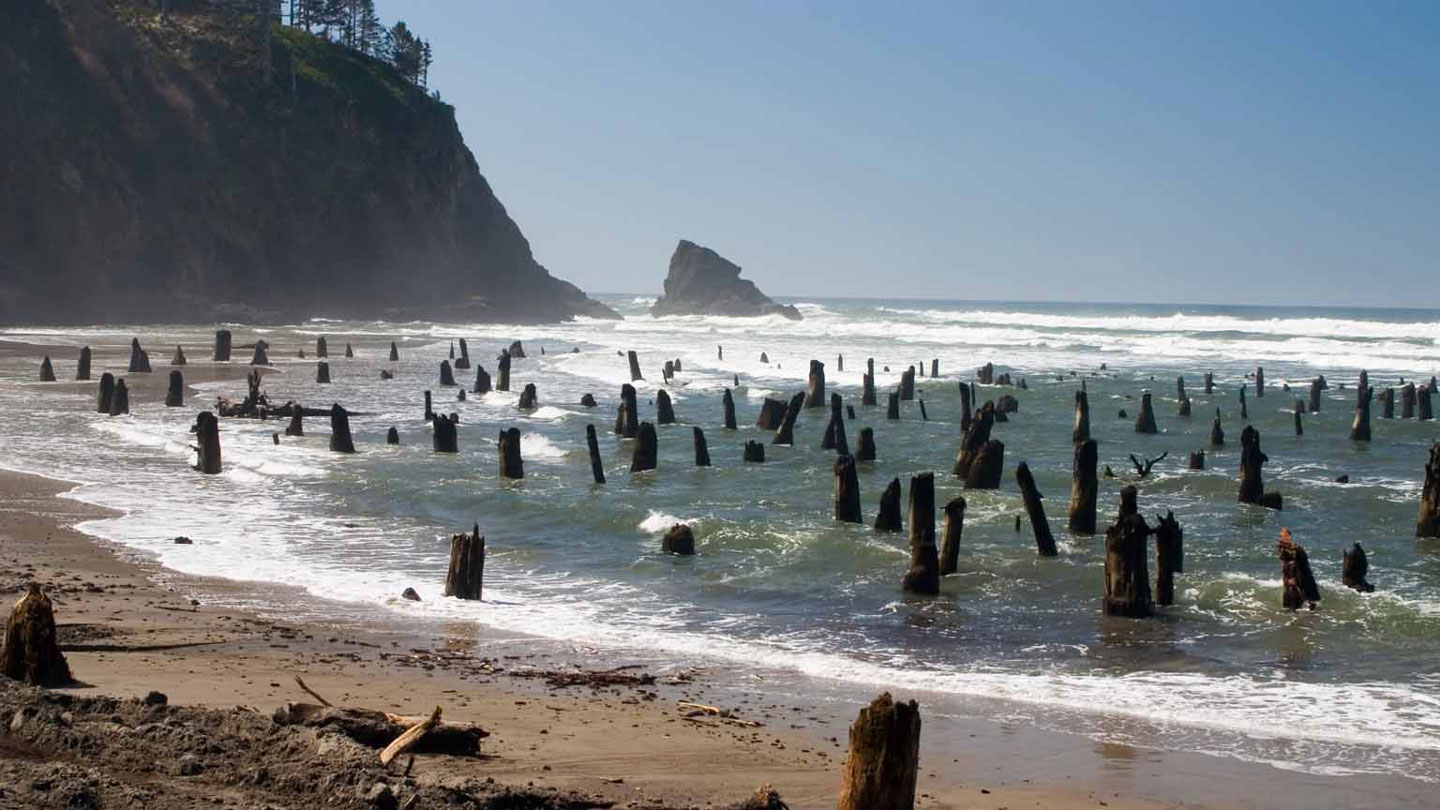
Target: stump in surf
<point>727,402</point>
<point>924,574</point>
<point>1081,432</point>
<point>867,389</point>
<point>1252,487</point>
<point>261,357</point>
<point>1354,568</point>
<point>679,540</point>
<point>1315,390</point>
<point>702,450</point>
<point>394,353</point>
<point>989,466</point>
<point>482,380</point>
<point>502,372</point>
<point>592,443</point>
<point>1244,408</point>
<point>587,400</point>
<point>772,414</point>
<point>178,359</point>
<point>646,449</point>
<point>1182,399</point>
<point>466,577</point>
<point>175,392</point>
<point>1360,427</point>
<point>1209,383</point>
<point>463,361</point>
<point>222,346</point>
<point>1169,557</point>
<point>530,398</point>
<point>1035,510</point>
<point>207,443</point>
<point>47,371</point>
<point>1423,404</point>
<point>754,452</point>
<point>322,373</point>
<point>664,409</point>
<point>892,407</point>
<point>1127,579</point>
<point>340,439</point>
<point>1299,414</point>
<point>834,438</point>
<point>1407,401</point>
<point>447,376</point>
<point>1301,590</point>
<point>120,399</point>
<point>517,350</point>
<point>634,366</point>
<point>866,449</point>
<point>887,518</point>
<point>297,421</point>
<point>322,348</point>
<point>847,491</point>
<point>429,408</point>
<point>1428,523</point>
<point>815,385</point>
<point>1387,403</point>
<point>985,375</point>
<point>907,384</point>
<point>32,648</point>
<point>974,440</point>
<point>444,438</point>
<point>1197,460</point>
<point>950,538</point>
<point>1145,421</point>
<point>392,436</point>
<point>511,465</point>
<point>627,419</point>
<point>964,407</point>
<point>82,366</point>
<point>935,367</point>
<point>1084,488</point>
<point>349,352</point>
<point>1259,382</point>
<point>884,758</point>
<point>1217,433</point>
<point>139,360</point>
<point>786,433</point>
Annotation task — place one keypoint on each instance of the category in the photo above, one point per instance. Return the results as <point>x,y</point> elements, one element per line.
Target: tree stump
<point>847,491</point>
<point>834,438</point>
<point>1424,407</point>
<point>429,408</point>
<point>349,352</point>
<point>646,449</point>
<point>444,438</point>
<point>1301,589</point>
<point>139,360</point>
<point>1354,568</point>
<point>530,399</point>
<point>207,443</point>
<point>1217,433</point>
<point>786,433</point>
<point>1407,401</point>
<point>965,408</point>
<point>1127,580</point>
<point>179,358</point>
<point>1084,488</point>
<point>754,452</point>
<point>627,417</point>
<point>447,376</point>
<point>867,390</point>
<point>634,366</point>
<point>1181,398</point>
<point>1035,510</point>
<point>866,449</point>
<point>466,577</point>
<point>597,466</point>
<point>32,651</point>
<point>511,465</point>
<point>1387,403</point>
<point>887,519</point>
<point>120,399</point>
<point>482,380</point>
<point>1081,431</point>
<point>935,367</point>
<point>1428,523</point>
<point>1145,422</point>
<point>175,393</point>
<point>47,371</point>
<point>985,375</point>
<point>394,353</point>
<point>907,384</point>
<point>975,437</point>
<point>262,355</point>
<point>1299,413</point>
<point>884,757</point>
<point>988,468</point>
<point>664,409</point>
<point>463,362</point>
<point>516,350</point>
<point>502,372</point>
<point>728,404</point>
<point>892,407</point>
<point>322,349</point>
<point>679,540</point>
<point>1244,409</point>
<point>924,574</point>
<point>322,373</point>
<point>702,450</point>
<point>392,436</point>
<point>82,366</point>
<point>340,440</point>
<point>1259,382</point>
<point>222,346</point>
<point>1169,558</point>
<point>1315,395</point>
<point>1197,460</point>
<point>815,385</point>
<point>950,543</point>
<point>772,414</point>
<point>1360,427</point>
<point>1252,488</point>
<point>297,421</point>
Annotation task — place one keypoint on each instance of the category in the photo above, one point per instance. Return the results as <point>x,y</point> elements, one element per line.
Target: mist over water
<point>777,584</point>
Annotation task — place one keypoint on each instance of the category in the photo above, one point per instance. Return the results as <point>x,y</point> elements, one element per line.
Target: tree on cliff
<point>409,54</point>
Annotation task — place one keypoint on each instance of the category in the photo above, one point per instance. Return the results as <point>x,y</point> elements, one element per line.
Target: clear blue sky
<point>1121,151</point>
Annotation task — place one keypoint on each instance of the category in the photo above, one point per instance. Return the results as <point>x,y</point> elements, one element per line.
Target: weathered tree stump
<point>466,577</point>
<point>754,452</point>
<point>935,367</point>
<point>511,465</point>
<point>988,468</point>
<point>702,450</point>
<point>222,346</point>
<point>297,421</point>
<point>82,366</point>
<point>517,350</point>
<point>866,449</point>
<point>1007,404</point>
<point>444,438</point>
<point>985,375</point>
<point>884,758</point>
<point>175,393</point>
<point>392,436</point>
<point>597,466</point>
<point>261,357</point>
<point>530,398</point>
<point>867,390</point>
<point>502,372</point>
<point>463,361</point>
<point>1300,412</point>
<point>1244,408</point>
<point>1354,568</point>
<point>646,449</point>
<point>1360,427</point>
<point>1259,382</point>
<point>835,438</point>
<point>1209,383</point>
<point>447,377</point>
<point>1127,579</point>
<point>1407,401</point>
<point>120,398</point>
<point>482,380</point>
<point>975,437</point>
<point>1081,431</point>
<point>429,408</point>
<point>786,432</point>
<point>668,370</point>
<point>907,384</point>
<point>950,544</point>
<point>139,360</point>
<point>1428,523</point>
<point>1169,558</point>
<point>887,518</point>
<point>1252,488</point>
<point>965,415</point>
<point>634,366</point>
<point>1145,422</point>
<point>764,358</point>
<point>179,357</point>
<point>394,353</point>
<point>1035,510</point>
<point>772,414</point>
<point>664,409</point>
<point>1197,460</point>
<point>627,418</point>
<point>727,402</point>
<point>924,574</point>
<point>892,407</point>
<point>815,385</point>
<point>1387,403</point>
<point>1315,390</point>
<point>349,352</point>
<point>340,440</point>
<point>1301,590</point>
<point>679,540</point>
<point>1425,409</point>
<point>1084,488</point>
<point>849,411</point>
<point>322,348</point>
<point>587,400</point>
<point>207,443</point>
<point>1181,399</point>
<point>47,371</point>
<point>322,373</point>
<point>1217,433</point>
<point>32,649</point>
<point>847,491</point>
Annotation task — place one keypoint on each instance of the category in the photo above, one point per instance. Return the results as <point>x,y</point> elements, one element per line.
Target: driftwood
<point>32,651</point>
<point>646,455</point>
<point>1428,522</point>
<point>1301,590</point>
<point>1084,488</point>
<point>1354,569</point>
<point>924,574</point>
<point>847,491</point>
<point>511,465</point>
<point>1044,540</point>
<point>950,539</point>
<point>1169,557</point>
<point>466,576</point>
<point>887,518</point>
<point>376,729</point>
<point>884,759</point>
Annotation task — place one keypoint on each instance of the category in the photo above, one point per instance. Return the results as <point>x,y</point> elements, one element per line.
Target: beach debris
<point>447,376</point>
<point>924,574</point>
<point>465,578</point>
<point>1360,427</point>
<point>47,371</point>
<point>1127,580</point>
<point>1145,422</point>
<point>529,398</point>
<point>502,372</point>
<point>340,441</point>
<point>627,417</point>
<point>511,465</point>
<point>1428,523</point>
<point>1035,510</point>
<point>1252,489</point>
<point>597,466</point>
<point>1169,557</point>
<point>625,676</point>
<point>444,437</point>
<point>702,450</point>
<point>754,452</point>
<point>907,384</point>
<point>463,361</point>
<point>1142,469</point>
<point>834,438</point>
<point>772,413</point>
<point>377,729</point>
<point>950,538</point>
<point>647,451</point>
<point>175,393</point>
<point>222,346</point>
<point>727,402</point>
<point>1355,565</point>
<point>664,409</point>
<point>1301,589</point>
<point>887,519</point>
<point>1081,432</point>
<point>1084,488</point>
<point>691,711</point>
<point>82,366</point>
<point>884,757</point>
<point>785,434</point>
<point>32,652</point>
<point>679,540</point>
<point>261,356</point>
<point>865,451</point>
<point>139,358</point>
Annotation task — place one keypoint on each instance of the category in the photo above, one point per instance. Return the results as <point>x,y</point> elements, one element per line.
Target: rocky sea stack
<point>201,167</point>
<point>702,282</point>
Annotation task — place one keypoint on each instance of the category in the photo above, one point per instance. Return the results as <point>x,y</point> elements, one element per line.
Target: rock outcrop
<point>702,282</point>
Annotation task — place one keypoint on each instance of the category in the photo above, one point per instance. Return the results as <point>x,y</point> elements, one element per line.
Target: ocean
<point>780,589</point>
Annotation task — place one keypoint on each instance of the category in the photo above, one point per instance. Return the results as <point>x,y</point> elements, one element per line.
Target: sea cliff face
<point>702,282</point>
<point>157,171</point>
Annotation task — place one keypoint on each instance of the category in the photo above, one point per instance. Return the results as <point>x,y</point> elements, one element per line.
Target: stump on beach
<point>1355,566</point>
<point>592,443</point>
<point>847,491</point>
<point>32,648</point>
<point>175,392</point>
<point>466,577</point>
<point>924,574</point>
<point>340,440</point>
<point>1127,579</point>
<point>207,443</point>
<point>222,346</point>
<point>1084,488</point>
<point>646,449</point>
<point>511,465</point>
<point>1169,557</point>
<point>884,757</point>
<point>887,517</point>
<point>82,366</point>
<point>1300,588</point>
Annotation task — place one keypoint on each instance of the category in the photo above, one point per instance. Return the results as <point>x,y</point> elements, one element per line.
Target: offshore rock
<point>702,282</point>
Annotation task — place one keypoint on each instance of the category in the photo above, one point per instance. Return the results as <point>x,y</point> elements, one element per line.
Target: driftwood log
<point>924,574</point>
<point>466,577</point>
<point>32,650</point>
<point>884,757</point>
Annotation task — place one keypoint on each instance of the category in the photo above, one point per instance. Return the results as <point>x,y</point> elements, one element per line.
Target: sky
<point>1203,152</point>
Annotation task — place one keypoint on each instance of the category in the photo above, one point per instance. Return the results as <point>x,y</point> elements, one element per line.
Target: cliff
<point>157,171</point>
<point>702,282</point>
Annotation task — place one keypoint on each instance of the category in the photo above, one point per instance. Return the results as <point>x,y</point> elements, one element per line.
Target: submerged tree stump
<point>1428,523</point>
<point>664,409</point>
<point>950,542</point>
<point>1252,487</point>
<point>139,360</point>
<point>866,449</point>
<point>1315,390</point>
<point>1169,557</point>
<point>1209,383</point>
<point>47,371</point>
<point>754,452</point>
<point>892,406</point>
<point>1197,460</point>
<point>646,449</point>
<point>1081,431</point>
<point>1407,401</point>
<point>887,518</point>
<point>322,373</point>
<point>429,408</point>
<point>679,540</point>
<point>120,399</point>
<point>82,366</point>
<point>1035,510</point>
<point>847,491</point>
<point>349,352</point>
<point>1299,413</point>
<point>702,450</point>
<point>222,346</point>
<point>1425,409</point>
<point>466,577</point>
<point>444,438</point>
<point>530,398</point>
<point>517,350</point>
<point>1387,403</point>
<point>1301,590</point>
<point>1259,382</point>
<point>261,357</point>
<point>907,384</point>
<point>634,359</point>
<point>340,440</point>
<point>1127,579</point>
<point>297,421</point>
<point>511,465</point>
<point>447,376</point>
<point>1217,433</point>
<point>1084,488</point>
<point>965,416</point>
<point>1360,427</point>
<point>727,402</point>
<point>392,436</point>
<point>32,649</point>
<point>597,466</point>
<point>834,438</point>
<point>786,432</point>
<point>482,380</point>
<point>1244,409</point>
<point>924,574</point>
<point>1181,399</point>
<point>207,443</point>
<point>815,385</point>
<point>627,417</point>
<point>884,757</point>
<point>322,348</point>
<point>394,353</point>
<point>975,437</point>
<point>988,468</point>
<point>867,389</point>
<point>935,367</point>
<point>772,414</point>
<point>175,393</point>
<point>179,358</point>
<point>502,372</point>
<point>985,375</point>
<point>1354,569</point>
<point>1145,422</point>
<point>463,362</point>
